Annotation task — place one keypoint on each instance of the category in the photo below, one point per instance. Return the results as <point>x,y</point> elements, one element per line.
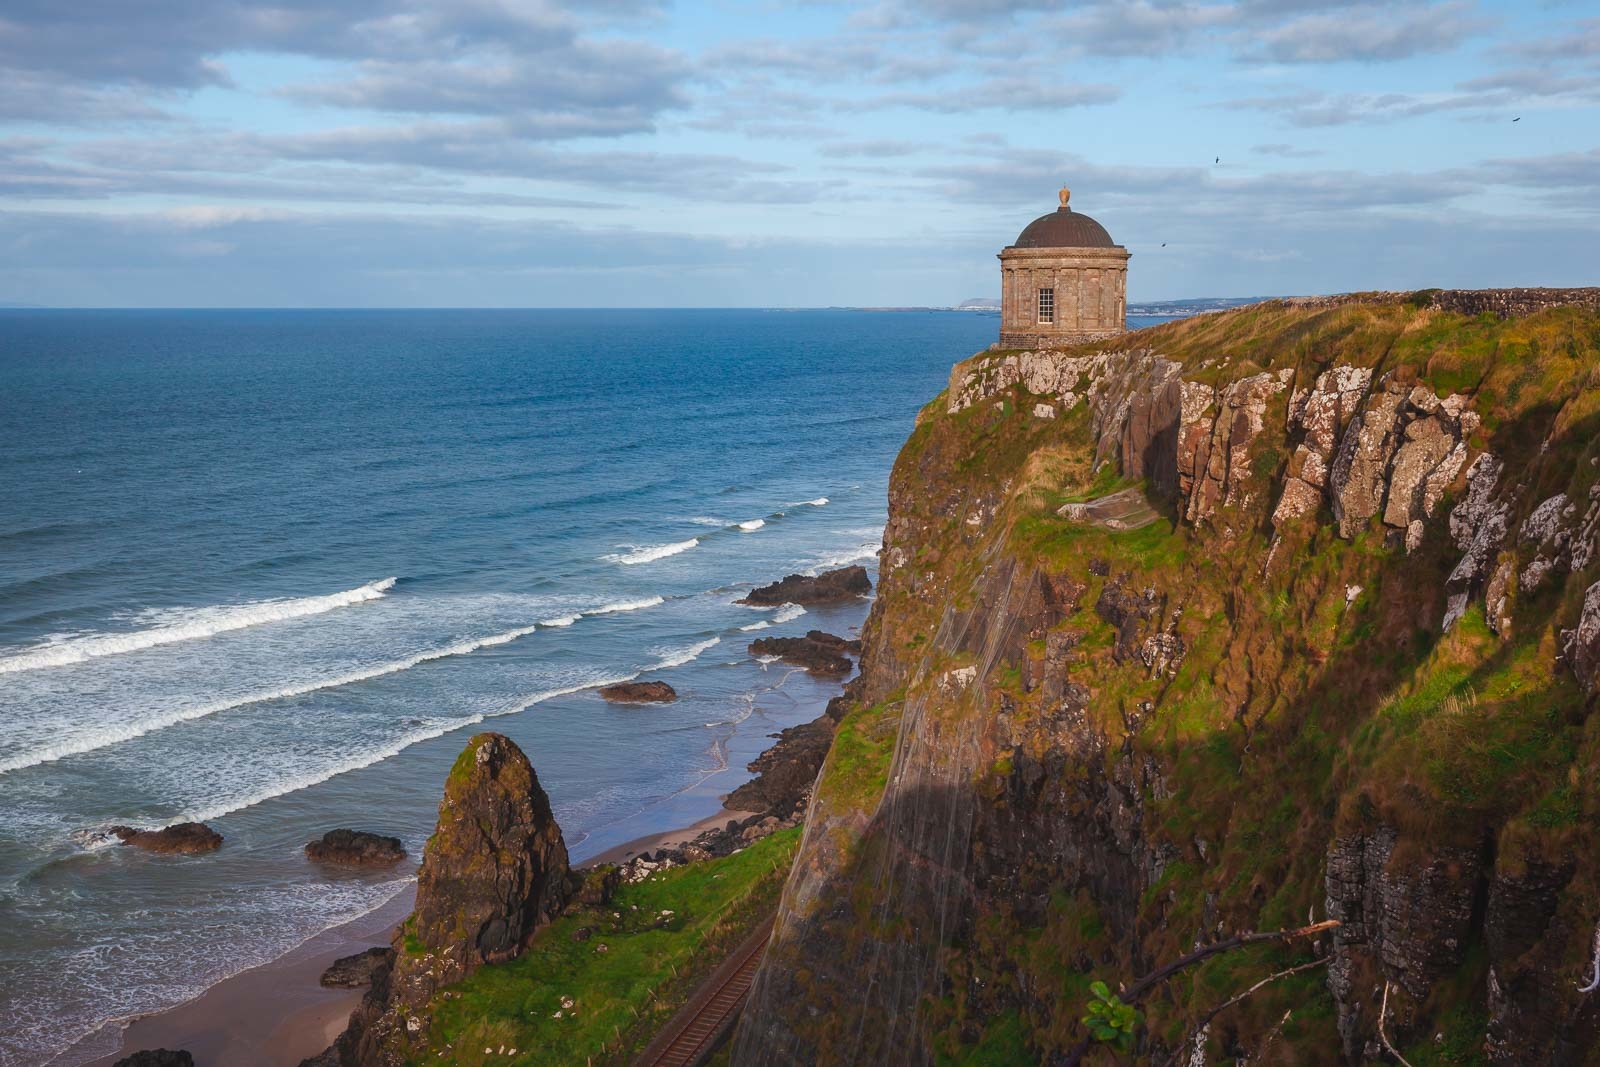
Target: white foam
<point>788,613</point>
<point>858,554</point>
<point>650,553</point>
<point>565,620</point>
<point>685,655</point>
<point>762,625</point>
<point>117,733</point>
<point>428,731</point>
<point>819,502</point>
<point>627,605</point>
<point>752,525</point>
<point>707,520</point>
<point>189,625</point>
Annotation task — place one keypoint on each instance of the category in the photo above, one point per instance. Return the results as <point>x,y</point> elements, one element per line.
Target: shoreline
<point>277,1014</point>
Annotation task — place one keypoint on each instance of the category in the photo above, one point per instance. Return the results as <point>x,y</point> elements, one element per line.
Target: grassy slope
<point>1294,717</point>
<point>660,938</point>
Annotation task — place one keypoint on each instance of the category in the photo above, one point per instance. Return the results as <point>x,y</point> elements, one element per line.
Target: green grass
<point>651,963</point>
<point>857,769</point>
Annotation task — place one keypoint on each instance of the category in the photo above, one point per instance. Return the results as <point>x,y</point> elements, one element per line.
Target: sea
<point>270,570</point>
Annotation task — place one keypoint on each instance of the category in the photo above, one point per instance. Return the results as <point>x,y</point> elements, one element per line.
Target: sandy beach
<point>278,1014</point>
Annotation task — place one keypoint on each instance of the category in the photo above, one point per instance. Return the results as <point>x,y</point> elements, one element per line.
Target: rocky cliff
<point>1274,616</point>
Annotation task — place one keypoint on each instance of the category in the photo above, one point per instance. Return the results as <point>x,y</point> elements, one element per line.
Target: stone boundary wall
<point>1503,303</point>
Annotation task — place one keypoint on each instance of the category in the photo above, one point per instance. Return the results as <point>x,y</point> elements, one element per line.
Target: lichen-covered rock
<point>1581,645</point>
<point>1429,458</point>
<point>1322,413</point>
<point>1221,477</point>
<point>1478,525</point>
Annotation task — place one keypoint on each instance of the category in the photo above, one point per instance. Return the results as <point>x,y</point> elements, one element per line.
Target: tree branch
<point>1383,1016</point>
<point>1134,993</point>
<point>1205,1020</point>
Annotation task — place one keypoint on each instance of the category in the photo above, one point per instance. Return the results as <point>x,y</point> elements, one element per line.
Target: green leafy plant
<point>1109,1020</point>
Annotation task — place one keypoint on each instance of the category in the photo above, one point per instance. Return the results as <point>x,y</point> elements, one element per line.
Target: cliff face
<point>1336,664</point>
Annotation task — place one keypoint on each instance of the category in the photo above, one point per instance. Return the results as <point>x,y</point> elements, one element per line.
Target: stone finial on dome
<point>1066,194</point>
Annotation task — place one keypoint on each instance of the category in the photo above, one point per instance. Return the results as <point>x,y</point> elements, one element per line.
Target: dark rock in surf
<point>356,972</point>
<point>356,848</point>
<point>817,652</point>
<point>157,1057</point>
<point>184,838</point>
<point>786,771</point>
<point>639,693</point>
<point>846,583</point>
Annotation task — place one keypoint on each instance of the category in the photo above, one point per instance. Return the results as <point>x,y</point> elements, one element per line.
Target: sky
<point>628,153</point>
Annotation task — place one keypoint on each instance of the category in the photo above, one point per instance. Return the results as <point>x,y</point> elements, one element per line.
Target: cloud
<point>1369,33</point>
<point>1003,94</point>
<point>876,149</point>
<point>1583,42</point>
<point>422,56</point>
<point>1285,151</point>
<point>584,89</point>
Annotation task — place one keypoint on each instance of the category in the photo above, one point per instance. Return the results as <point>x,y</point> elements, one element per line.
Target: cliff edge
<point>1277,616</point>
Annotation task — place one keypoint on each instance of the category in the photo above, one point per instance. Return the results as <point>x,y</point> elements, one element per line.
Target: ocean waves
<point>188,625</point>
<point>638,554</point>
<point>104,734</point>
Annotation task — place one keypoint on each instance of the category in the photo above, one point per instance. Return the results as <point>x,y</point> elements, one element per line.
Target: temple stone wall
<point>1091,286</point>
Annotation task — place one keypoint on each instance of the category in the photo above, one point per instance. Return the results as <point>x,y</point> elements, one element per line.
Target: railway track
<point>707,1019</point>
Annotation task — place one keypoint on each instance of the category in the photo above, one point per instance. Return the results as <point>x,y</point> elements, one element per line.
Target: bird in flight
<point>1163,244</point>
<point>1218,159</point>
<point>1517,119</point>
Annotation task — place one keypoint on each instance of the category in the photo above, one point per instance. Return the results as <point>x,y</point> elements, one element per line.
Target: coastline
<point>277,1014</point>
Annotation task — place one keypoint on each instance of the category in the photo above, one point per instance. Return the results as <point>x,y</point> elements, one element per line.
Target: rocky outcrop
<point>493,872</point>
<point>846,583</point>
<point>1218,466</point>
<point>1321,414</point>
<point>817,652</point>
<point>182,839</point>
<point>655,692</point>
<point>1403,449</point>
<point>785,772</point>
<point>356,848</point>
<point>357,971</point>
<point>1408,924</point>
<point>159,1057</point>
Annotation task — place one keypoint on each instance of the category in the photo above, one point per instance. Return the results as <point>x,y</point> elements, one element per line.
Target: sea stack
<point>493,872</point>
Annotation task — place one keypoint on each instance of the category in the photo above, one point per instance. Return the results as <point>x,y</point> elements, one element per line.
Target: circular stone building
<point>1064,281</point>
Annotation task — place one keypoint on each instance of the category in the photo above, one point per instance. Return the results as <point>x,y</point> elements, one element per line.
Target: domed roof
<point>1064,228</point>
